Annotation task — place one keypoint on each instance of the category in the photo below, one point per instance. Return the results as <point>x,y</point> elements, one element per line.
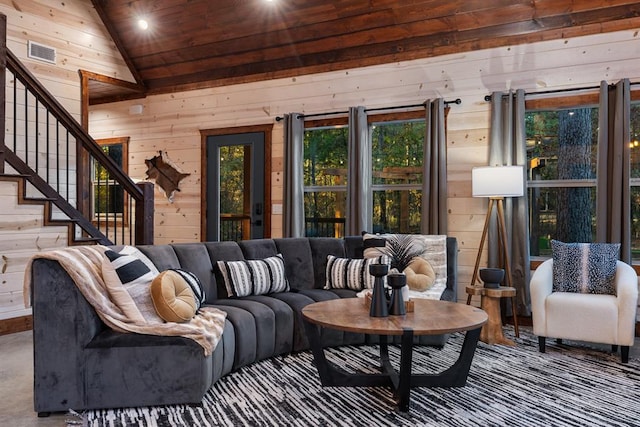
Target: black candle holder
<point>397,281</point>
<point>379,302</point>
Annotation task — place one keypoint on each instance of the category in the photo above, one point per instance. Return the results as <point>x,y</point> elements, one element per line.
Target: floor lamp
<point>496,183</point>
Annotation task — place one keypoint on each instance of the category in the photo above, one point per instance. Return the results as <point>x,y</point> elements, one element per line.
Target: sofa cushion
<point>254,277</point>
<point>321,247</point>
<point>347,273</point>
<point>584,267</point>
<point>173,293</point>
<point>195,258</point>
<point>298,261</point>
<point>221,251</point>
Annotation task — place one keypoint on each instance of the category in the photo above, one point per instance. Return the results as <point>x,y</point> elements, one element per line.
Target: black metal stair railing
<point>66,167</point>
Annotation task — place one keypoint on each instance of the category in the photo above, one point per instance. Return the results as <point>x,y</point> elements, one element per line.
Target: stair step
<point>63,221</point>
<point>12,175</point>
<point>39,199</point>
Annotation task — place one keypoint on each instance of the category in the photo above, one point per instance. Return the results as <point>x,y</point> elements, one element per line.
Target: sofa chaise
<point>80,363</point>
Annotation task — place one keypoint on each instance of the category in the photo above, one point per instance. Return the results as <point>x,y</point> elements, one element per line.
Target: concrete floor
<point>16,384</point>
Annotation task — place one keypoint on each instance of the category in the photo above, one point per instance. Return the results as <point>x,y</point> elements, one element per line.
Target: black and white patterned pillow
<point>194,283</point>
<point>131,267</point>
<point>349,273</point>
<point>255,276</point>
<point>584,267</point>
<point>128,275</point>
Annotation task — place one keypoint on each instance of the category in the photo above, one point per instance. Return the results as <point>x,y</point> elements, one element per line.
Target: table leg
<point>492,330</point>
<point>456,375</point>
<point>403,389</point>
<point>332,375</point>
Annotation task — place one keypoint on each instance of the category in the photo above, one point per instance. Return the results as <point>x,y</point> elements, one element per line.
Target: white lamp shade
<point>497,181</point>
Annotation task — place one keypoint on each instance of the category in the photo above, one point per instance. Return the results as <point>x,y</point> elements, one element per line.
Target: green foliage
<point>397,156</point>
<point>232,179</point>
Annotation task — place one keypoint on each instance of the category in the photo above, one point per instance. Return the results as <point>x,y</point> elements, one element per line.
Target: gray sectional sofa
<point>79,363</point>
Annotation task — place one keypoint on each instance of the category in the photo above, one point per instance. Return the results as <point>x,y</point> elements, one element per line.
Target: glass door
<point>235,187</point>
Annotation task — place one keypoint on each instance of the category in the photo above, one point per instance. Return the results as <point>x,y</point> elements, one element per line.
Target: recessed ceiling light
<point>143,24</point>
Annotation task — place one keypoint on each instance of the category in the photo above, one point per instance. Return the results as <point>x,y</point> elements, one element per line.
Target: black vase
<point>492,277</point>
<point>379,302</point>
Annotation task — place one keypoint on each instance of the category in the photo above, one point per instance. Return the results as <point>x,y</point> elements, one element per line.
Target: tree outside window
<point>634,145</point>
<point>562,159</point>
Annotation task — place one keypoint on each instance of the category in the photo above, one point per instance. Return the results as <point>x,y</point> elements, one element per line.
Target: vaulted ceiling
<point>194,44</point>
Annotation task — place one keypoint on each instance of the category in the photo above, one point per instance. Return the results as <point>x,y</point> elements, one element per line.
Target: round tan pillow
<point>420,274</point>
<point>172,297</point>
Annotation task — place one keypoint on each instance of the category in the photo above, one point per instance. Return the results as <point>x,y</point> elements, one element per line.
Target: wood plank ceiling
<point>194,44</point>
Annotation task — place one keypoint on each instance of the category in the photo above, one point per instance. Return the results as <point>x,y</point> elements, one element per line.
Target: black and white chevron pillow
<point>255,276</point>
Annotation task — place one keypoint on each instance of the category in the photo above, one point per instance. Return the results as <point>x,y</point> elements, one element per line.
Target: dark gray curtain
<point>359,196</point>
<point>293,203</point>
<point>507,147</point>
<point>613,205</point>
<point>434,181</point>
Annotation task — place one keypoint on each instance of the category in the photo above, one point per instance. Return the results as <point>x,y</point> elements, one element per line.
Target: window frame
<point>98,217</point>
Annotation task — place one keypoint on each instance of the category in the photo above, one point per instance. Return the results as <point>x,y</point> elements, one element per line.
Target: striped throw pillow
<point>255,276</point>
<point>348,273</point>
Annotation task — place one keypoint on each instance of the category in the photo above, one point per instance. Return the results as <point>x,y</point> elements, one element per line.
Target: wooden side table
<point>490,302</point>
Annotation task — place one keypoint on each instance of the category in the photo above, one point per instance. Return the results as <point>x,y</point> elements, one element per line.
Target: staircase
<point>52,158</point>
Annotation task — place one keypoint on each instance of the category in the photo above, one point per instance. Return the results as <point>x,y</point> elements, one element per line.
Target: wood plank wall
<point>73,28</point>
<point>172,122</point>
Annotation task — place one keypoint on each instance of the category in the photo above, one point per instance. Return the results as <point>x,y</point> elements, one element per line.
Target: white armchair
<point>607,319</point>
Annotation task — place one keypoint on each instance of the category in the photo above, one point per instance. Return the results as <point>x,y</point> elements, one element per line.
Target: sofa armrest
<point>626,284</point>
<point>540,287</point>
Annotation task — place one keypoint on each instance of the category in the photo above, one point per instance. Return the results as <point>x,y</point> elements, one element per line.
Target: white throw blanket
<point>84,265</point>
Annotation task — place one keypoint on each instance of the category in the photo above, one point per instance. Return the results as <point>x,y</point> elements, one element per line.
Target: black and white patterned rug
<point>569,385</point>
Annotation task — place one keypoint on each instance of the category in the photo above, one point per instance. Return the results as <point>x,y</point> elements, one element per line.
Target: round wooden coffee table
<point>428,318</point>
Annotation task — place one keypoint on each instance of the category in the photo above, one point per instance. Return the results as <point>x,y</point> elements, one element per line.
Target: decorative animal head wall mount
<point>165,174</point>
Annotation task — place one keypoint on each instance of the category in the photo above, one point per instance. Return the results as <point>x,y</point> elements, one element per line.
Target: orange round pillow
<point>420,274</point>
<point>173,298</point>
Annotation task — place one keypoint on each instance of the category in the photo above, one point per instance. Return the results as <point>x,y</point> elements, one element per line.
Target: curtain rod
<point>456,101</point>
<point>487,98</point>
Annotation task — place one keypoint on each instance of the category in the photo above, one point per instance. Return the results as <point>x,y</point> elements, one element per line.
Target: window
<point>397,150</point>
<point>634,144</point>
<point>108,201</point>
<point>562,159</point>
<point>325,180</point>
<point>397,155</point>
<point>563,168</point>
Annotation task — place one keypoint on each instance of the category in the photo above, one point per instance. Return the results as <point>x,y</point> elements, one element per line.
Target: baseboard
<point>16,324</point>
